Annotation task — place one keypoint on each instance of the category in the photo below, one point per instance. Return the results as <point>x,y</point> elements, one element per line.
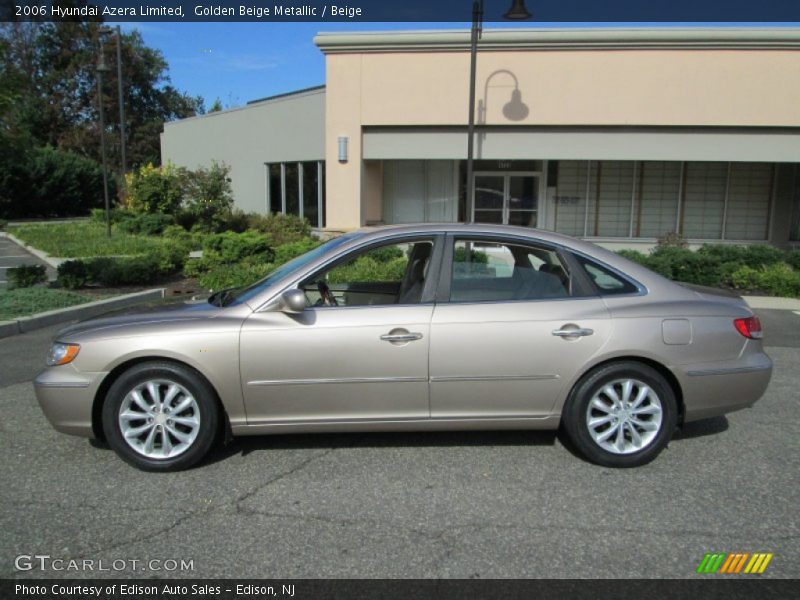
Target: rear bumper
<point>66,397</point>
<point>710,390</point>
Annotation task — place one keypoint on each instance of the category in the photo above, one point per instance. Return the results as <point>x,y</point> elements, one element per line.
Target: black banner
<point>710,588</point>
<point>543,11</point>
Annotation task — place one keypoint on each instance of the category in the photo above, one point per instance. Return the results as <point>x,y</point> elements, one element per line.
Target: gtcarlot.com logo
<point>45,562</point>
<point>734,563</point>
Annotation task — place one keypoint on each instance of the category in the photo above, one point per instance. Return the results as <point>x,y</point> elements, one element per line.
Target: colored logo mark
<point>734,563</point>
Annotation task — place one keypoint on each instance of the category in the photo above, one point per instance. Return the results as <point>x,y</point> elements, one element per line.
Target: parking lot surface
<point>505,504</point>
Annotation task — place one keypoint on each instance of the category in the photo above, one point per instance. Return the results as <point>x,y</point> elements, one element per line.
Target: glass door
<point>490,193</point>
<point>506,198</point>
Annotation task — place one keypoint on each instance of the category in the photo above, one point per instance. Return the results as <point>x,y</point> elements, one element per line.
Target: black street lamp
<point>116,32</point>
<point>103,68</point>
<point>516,12</point>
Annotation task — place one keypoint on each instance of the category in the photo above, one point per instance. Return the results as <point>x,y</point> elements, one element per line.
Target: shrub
<point>236,220</point>
<point>156,189</point>
<point>209,196</point>
<point>47,182</point>
<point>146,223</point>
<point>763,256</point>
<point>779,279</point>
<point>281,228</point>
<point>793,259</point>
<point>673,239</point>
<point>286,252</point>
<point>635,256</point>
<point>744,278</point>
<point>226,276</point>
<point>98,215</point>
<point>232,247</point>
<point>73,274</point>
<point>366,268</point>
<point>26,276</point>
<point>3,224</point>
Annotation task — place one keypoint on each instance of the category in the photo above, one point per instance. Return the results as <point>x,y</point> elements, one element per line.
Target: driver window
<point>388,274</point>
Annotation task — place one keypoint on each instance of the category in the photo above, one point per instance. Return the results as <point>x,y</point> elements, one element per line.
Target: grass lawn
<point>28,301</point>
<point>81,240</point>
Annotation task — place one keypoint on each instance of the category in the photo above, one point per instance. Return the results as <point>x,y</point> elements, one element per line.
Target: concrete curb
<point>772,302</point>
<point>74,313</point>
<point>43,256</point>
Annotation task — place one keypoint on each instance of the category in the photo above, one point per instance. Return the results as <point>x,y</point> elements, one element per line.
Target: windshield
<point>244,294</point>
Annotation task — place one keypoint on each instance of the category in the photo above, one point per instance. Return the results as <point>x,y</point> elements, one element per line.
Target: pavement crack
<point>237,502</point>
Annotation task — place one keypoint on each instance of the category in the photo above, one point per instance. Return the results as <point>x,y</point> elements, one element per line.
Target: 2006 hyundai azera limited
<point>426,327</point>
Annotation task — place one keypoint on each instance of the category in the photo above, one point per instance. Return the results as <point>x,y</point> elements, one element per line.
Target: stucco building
<point>615,135</point>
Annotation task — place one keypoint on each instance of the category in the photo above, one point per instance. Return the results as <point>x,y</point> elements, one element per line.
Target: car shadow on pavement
<point>702,428</point>
<point>252,444</point>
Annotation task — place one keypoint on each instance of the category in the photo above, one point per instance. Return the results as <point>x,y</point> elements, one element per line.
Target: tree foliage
<point>49,98</point>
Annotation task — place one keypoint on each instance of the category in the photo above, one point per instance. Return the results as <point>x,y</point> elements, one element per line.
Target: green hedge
<point>758,268</point>
<point>26,276</point>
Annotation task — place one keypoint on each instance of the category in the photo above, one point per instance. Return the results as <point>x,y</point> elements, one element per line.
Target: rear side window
<point>607,282</point>
<point>485,271</point>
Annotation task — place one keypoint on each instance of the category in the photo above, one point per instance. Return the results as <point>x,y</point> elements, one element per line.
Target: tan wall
<point>636,87</point>
<point>639,87</point>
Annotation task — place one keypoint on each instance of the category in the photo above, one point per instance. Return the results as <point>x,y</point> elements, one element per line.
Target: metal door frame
<point>507,175</point>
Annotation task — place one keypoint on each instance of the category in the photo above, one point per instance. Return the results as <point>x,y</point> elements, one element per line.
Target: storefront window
<point>284,186</point>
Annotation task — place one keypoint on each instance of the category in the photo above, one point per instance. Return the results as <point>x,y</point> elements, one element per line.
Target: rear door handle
<point>577,332</point>
<point>401,336</point>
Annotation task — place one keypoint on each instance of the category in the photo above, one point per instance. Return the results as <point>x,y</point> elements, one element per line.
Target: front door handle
<point>572,332</point>
<point>401,336</point>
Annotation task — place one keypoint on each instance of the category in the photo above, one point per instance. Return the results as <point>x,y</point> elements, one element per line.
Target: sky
<point>240,62</point>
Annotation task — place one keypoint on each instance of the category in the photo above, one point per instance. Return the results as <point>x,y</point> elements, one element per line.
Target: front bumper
<point>66,396</point>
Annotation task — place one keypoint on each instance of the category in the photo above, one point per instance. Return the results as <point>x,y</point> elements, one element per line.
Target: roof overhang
<point>615,38</point>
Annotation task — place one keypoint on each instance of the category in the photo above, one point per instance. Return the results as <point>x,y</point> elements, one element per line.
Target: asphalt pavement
<point>504,504</point>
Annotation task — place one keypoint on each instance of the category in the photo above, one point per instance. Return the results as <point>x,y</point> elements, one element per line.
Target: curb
<point>73,313</point>
<point>43,256</point>
<point>772,302</point>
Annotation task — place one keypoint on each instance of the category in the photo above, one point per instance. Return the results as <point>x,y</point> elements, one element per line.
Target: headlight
<point>62,354</point>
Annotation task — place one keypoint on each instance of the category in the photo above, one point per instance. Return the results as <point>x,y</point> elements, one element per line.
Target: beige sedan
<point>406,328</point>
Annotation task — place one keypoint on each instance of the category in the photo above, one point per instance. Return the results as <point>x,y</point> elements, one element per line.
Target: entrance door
<point>506,198</point>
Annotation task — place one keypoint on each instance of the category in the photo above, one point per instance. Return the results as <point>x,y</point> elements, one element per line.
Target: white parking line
<point>797,312</point>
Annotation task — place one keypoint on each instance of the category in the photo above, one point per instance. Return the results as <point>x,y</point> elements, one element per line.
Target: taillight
<point>749,327</point>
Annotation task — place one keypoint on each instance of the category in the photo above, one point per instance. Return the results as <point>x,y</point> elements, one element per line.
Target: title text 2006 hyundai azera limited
<point>428,327</point>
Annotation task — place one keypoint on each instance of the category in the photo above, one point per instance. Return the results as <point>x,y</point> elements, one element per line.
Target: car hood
<point>141,316</point>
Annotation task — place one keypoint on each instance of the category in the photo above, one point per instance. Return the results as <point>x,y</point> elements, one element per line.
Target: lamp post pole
<point>477,21</point>
<point>120,90</point>
<point>101,68</point>
<point>516,12</point>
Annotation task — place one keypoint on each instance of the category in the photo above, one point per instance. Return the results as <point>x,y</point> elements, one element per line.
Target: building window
<point>659,190</point>
<point>297,189</point>
<point>703,210</point>
<point>647,199</point>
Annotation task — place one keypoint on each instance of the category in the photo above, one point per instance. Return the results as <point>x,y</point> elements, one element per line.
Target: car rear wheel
<point>621,415</point>
<point>160,416</point>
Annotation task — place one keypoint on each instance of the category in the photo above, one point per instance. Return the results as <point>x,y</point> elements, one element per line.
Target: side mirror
<point>293,301</point>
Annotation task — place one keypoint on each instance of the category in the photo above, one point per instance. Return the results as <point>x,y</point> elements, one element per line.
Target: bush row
<point>753,268</point>
<point>26,276</point>
<point>144,269</point>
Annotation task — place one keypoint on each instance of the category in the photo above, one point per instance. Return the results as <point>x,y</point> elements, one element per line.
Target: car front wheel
<point>621,415</point>
<point>160,416</point>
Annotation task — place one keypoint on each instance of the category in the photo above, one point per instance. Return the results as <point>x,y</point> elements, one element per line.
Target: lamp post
<point>517,12</point>
<point>117,33</point>
<point>103,68</point>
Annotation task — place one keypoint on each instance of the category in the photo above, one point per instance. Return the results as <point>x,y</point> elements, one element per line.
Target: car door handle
<point>401,337</point>
<point>578,332</point>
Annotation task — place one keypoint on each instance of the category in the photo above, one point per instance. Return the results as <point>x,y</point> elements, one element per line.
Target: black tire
<point>574,415</point>
<point>206,403</point>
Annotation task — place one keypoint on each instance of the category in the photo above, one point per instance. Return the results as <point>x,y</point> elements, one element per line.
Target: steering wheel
<point>326,294</point>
